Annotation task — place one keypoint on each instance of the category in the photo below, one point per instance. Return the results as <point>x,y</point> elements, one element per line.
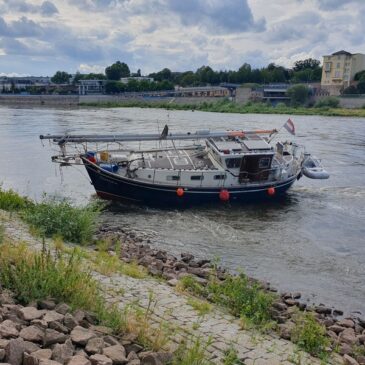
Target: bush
<point>298,94</point>
<point>328,101</point>
<point>309,335</point>
<point>32,276</point>
<point>12,201</point>
<point>281,105</point>
<point>59,217</point>
<point>243,297</point>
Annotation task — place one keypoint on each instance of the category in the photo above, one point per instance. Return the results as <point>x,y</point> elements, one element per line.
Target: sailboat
<point>216,167</point>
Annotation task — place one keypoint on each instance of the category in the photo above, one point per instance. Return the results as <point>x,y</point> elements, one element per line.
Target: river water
<point>313,241</point>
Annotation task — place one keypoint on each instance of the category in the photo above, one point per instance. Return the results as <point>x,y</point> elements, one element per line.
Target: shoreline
<point>345,331</point>
<point>191,104</point>
<point>231,107</point>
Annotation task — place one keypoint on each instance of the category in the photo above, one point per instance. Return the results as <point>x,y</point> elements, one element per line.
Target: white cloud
<point>85,68</point>
<point>39,37</point>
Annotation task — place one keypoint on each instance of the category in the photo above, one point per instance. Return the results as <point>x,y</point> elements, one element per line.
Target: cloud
<point>43,36</point>
<point>227,16</point>
<point>22,27</point>
<point>336,4</point>
<point>306,27</point>
<point>47,8</point>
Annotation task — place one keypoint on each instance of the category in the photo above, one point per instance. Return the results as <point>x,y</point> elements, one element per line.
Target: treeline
<point>308,70</point>
<point>303,71</point>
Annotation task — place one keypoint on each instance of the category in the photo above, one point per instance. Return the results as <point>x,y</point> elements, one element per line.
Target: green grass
<point>2,233</point>
<point>309,335</point>
<point>245,299</point>
<point>201,306</point>
<point>33,276</point>
<point>60,217</point>
<point>12,201</point>
<point>231,358</point>
<point>53,216</point>
<point>242,297</point>
<point>192,353</point>
<point>225,106</point>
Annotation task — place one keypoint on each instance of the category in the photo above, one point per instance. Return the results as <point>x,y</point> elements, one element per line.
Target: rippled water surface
<point>313,241</point>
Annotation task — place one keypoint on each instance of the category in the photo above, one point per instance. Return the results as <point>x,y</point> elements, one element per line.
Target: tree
<point>298,94</point>
<point>361,85</point>
<point>359,75</point>
<point>117,70</point>
<point>305,64</point>
<point>61,77</point>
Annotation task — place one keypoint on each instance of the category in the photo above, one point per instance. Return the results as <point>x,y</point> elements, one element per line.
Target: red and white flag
<point>289,126</point>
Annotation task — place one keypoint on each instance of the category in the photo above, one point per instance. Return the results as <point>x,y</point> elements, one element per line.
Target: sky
<point>40,37</point>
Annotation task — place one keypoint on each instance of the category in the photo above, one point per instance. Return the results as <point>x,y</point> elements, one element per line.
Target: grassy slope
<point>229,107</point>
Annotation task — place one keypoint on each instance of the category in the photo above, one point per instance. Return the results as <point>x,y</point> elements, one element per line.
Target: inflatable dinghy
<point>313,169</point>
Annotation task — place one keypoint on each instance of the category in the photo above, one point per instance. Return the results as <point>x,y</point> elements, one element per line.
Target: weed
<point>190,284</point>
<point>192,353</point>
<point>2,233</point>
<point>108,264</point>
<point>12,201</point>
<point>138,321</point>
<point>59,217</point>
<point>104,245</point>
<point>32,276</point>
<point>133,270</point>
<point>243,298</point>
<point>231,357</point>
<point>309,335</point>
<point>201,306</point>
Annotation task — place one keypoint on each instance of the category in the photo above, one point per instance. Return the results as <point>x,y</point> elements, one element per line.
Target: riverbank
<point>206,104</point>
<point>230,107</point>
<point>211,334</point>
<point>255,308</point>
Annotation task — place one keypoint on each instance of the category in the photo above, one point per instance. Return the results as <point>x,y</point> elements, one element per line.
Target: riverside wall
<point>75,100</point>
<point>30,100</point>
<point>352,102</point>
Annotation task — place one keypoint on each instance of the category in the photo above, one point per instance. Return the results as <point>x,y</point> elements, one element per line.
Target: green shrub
<point>190,284</point>
<point>328,101</point>
<point>60,217</point>
<point>281,105</point>
<point>244,298</point>
<point>33,276</point>
<point>309,335</point>
<point>12,201</point>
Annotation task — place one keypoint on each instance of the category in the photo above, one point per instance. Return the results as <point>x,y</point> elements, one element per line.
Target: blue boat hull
<point>114,187</point>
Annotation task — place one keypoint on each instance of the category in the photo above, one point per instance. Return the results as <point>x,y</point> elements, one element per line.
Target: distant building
<point>203,91</point>
<point>87,87</point>
<point>339,70</point>
<point>273,93</point>
<point>8,84</point>
<point>125,80</point>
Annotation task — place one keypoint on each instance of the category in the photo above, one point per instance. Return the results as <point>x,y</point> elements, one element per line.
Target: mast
<point>200,134</point>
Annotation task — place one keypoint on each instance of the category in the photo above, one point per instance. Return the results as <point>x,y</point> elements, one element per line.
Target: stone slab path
<point>223,330</point>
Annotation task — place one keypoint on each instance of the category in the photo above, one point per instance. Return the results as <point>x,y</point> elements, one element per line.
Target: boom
<point>203,134</point>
